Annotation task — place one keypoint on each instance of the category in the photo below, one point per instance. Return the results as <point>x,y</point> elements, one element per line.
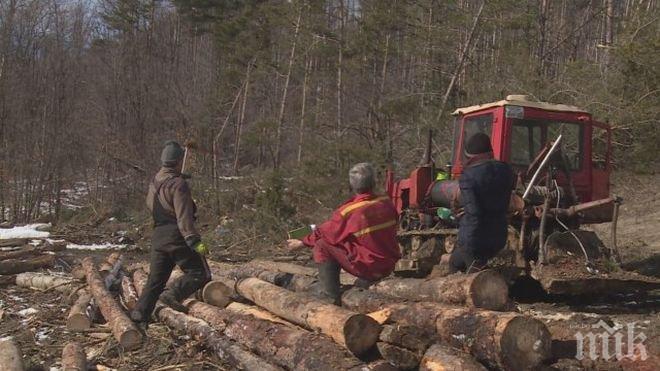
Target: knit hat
<point>172,154</point>
<point>478,143</point>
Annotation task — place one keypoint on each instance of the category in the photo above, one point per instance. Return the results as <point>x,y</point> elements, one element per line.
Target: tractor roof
<point>519,100</point>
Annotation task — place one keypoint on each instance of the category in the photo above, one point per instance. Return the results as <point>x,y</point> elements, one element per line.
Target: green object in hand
<point>299,233</point>
<point>201,248</point>
<point>444,213</point>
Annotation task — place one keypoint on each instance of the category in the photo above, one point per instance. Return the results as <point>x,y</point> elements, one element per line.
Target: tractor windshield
<point>529,136</point>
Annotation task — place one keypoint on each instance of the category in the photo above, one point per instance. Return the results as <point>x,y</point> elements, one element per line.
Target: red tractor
<point>562,158</point>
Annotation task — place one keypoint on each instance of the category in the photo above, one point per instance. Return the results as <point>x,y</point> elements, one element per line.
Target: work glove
<point>201,248</point>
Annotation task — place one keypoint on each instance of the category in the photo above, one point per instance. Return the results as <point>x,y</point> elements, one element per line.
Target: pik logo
<point>613,340</point>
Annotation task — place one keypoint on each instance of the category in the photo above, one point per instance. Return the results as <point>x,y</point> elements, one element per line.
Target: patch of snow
<point>104,246</point>
<point>26,231</point>
<point>42,334</point>
<point>16,298</point>
<point>5,338</point>
<point>27,312</point>
<point>11,248</point>
<point>52,241</point>
<point>53,368</point>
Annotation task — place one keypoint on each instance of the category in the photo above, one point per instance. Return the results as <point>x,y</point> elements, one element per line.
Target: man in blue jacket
<point>486,186</point>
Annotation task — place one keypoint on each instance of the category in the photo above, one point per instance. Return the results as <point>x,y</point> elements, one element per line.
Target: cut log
<point>21,253</point>
<point>485,289</point>
<point>380,365</point>
<point>13,242</point>
<point>78,273</point>
<point>129,296</point>
<point>408,337</point>
<point>10,356</point>
<point>344,278</point>
<point>73,357</point>
<point>7,280</point>
<point>201,330</point>
<point>597,286</point>
<point>217,293</point>
<point>109,262</point>
<point>440,358</point>
<point>502,340</point>
<point>354,331</point>
<point>292,348</point>
<point>244,309</point>
<point>41,281</point>
<point>13,266</point>
<point>78,320</point>
<point>366,301</point>
<point>290,281</point>
<point>123,328</point>
<point>401,358</point>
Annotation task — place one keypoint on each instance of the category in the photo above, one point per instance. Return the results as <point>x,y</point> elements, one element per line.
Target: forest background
<point>282,97</point>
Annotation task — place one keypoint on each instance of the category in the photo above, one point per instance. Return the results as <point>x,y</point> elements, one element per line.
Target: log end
<point>525,343</point>
<point>78,322</point>
<point>489,290</point>
<point>130,339</point>
<point>216,293</point>
<point>361,333</point>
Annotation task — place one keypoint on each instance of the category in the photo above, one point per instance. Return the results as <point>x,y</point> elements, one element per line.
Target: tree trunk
<point>355,331</point>
<point>109,262</point>
<point>10,356</point>
<point>73,357</point>
<point>440,357</point>
<point>280,117</point>
<point>41,281</point>
<point>241,118</point>
<point>290,347</point>
<point>491,337</point>
<point>13,242</point>
<point>129,296</point>
<point>123,328</point>
<point>240,308</point>
<point>486,289</point>
<point>78,320</point>
<point>29,251</point>
<point>301,128</point>
<point>201,330</point>
<point>345,278</point>
<point>13,266</point>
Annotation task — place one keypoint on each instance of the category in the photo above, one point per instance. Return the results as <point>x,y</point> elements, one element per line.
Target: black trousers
<point>169,249</point>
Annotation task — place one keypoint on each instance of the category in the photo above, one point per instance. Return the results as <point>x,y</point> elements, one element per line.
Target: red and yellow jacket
<point>365,226</point>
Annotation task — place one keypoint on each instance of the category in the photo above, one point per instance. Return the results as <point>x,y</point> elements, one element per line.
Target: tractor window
<point>529,136</point>
<point>571,143</point>
<point>474,125</point>
<point>525,142</point>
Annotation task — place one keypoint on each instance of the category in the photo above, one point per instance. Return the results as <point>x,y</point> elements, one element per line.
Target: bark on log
<point>73,357</point>
<point>290,281</point>
<point>7,280</point>
<point>41,281</point>
<point>355,331</point>
<point>202,331</point>
<point>129,296</point>
<point>440,358</point>
<point>123,328</point>
<point>13,266</point>
<point>502,340</point>
<point>485,289</point>
<point>29,251</point>
<point>78,273</point>
<point>110,261</point>
<point>366,301</point>
<point>292,348</point>
<point>409,337</point>
<point>78,320</point>
<point>10,356</point>
<point>399,357</point>
<point>13,242</point>
<point>244,309</point>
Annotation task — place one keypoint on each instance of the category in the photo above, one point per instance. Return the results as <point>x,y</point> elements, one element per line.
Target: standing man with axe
<point>175,241</point>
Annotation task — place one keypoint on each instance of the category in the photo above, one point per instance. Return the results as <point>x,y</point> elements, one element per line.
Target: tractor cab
<point>520,129</point>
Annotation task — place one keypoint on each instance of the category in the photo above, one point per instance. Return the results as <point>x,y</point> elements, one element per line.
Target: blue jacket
<point>485,193</point>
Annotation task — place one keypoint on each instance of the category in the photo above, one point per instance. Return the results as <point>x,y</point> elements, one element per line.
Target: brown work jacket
<point>175,197</point>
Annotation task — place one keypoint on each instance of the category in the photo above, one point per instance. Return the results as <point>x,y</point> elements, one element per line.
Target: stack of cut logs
<point>24,257</point>
<point>263,315</point>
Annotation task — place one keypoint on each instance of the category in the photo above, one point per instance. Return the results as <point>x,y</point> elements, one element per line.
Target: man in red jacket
<point>360,237</point>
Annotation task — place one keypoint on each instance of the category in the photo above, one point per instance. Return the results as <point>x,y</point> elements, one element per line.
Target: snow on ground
<point>93,247</point>
<point>26,231</point>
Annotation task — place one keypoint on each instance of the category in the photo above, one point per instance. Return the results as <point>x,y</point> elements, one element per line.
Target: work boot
<point>139,320</point>
<point>169,298</point>
<point>329,280</point>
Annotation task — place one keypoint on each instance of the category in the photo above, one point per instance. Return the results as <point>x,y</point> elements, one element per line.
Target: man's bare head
<point>361,177</point>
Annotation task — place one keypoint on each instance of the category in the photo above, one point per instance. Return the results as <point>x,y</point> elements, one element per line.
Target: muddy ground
<point>36,320</point>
